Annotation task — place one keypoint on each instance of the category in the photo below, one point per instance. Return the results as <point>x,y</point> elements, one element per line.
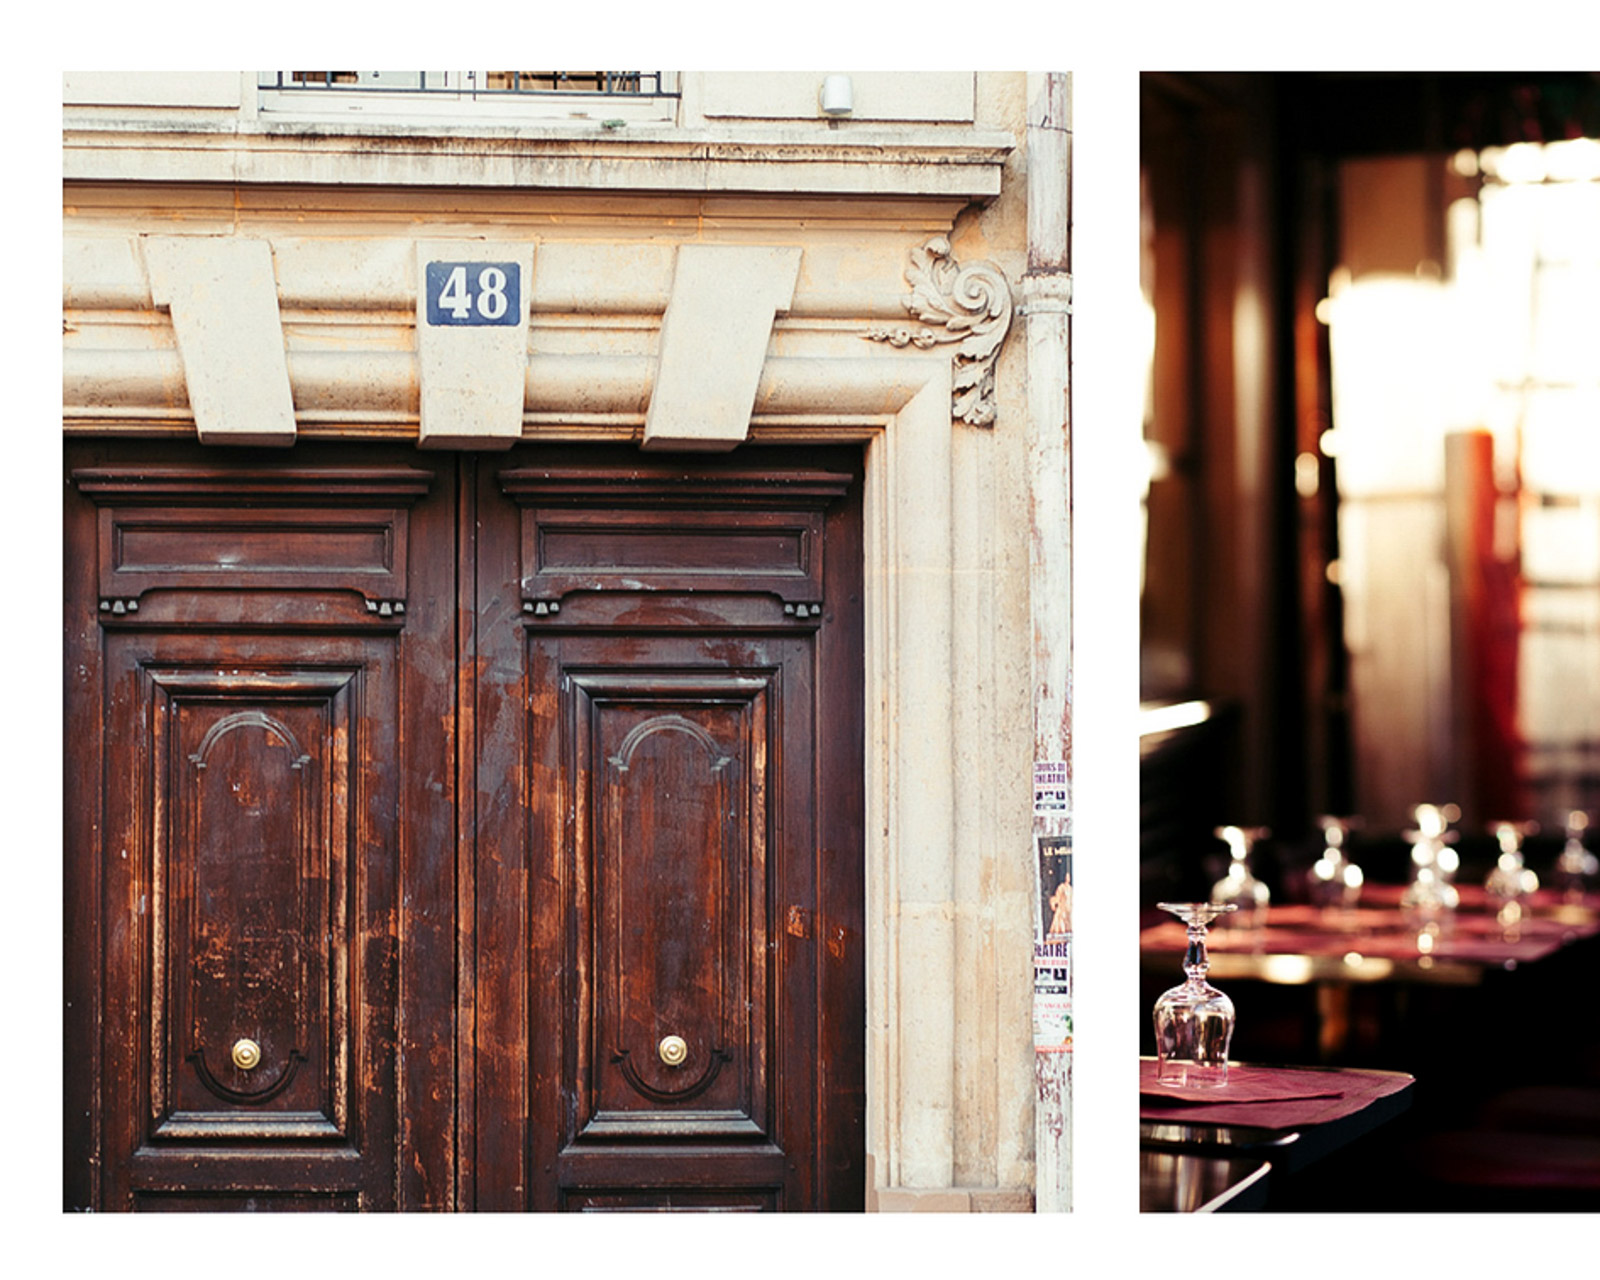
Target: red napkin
<point>1293,1099</point>
<point>1245,1084</point>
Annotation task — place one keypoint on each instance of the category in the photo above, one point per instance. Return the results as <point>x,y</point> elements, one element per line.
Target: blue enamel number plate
<point>474,293</point>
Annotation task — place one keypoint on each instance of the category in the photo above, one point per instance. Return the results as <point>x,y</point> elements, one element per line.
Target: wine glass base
<point>1191,1075</point>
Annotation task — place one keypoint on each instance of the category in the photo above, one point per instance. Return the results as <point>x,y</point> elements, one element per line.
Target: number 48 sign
<point>474,293</point>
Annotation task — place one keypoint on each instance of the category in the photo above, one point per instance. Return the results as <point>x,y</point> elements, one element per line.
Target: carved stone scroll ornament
<point>968,305</point>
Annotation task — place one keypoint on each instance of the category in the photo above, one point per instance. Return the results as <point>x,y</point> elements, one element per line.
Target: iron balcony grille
<point>477,84</point>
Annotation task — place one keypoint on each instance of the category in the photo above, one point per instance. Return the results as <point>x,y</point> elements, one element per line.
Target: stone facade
<point>730,264</point>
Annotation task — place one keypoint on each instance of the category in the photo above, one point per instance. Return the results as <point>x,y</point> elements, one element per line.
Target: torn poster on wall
<point>1052,949</point>
<point>1050,793</point>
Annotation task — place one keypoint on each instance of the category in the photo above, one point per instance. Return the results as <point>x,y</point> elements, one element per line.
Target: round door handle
<point>673,1050</point>
<point>246,1054</point>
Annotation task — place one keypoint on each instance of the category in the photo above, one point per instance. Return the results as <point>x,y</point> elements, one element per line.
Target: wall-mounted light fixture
<point>837,96</point>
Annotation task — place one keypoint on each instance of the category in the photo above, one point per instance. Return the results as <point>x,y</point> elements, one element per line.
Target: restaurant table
<point>1376,942</point>
<point>1266,1122</point>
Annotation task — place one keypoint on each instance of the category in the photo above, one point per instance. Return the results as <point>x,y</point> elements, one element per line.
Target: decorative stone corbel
<point>969,305</point>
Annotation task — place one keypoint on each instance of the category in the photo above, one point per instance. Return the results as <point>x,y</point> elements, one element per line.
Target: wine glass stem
<point>1195,960</point>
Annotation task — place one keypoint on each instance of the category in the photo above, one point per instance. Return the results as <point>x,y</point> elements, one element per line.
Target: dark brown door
<point>669,834</point>
<point>260,860</point>
<point>463,832</point>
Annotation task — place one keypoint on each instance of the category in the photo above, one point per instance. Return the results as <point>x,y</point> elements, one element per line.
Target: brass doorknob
<point>246,1054</point>
<point>674,1052</point>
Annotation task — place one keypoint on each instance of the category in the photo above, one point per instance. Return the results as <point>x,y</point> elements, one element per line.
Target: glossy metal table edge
<point>1242,1182</point>
<point>1215,1139</point>
<point>1292,1148</point>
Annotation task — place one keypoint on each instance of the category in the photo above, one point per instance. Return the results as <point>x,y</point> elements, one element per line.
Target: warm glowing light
<point>1497,336</point>
<point>1520,162</point>
<point>1145,313</point>
<point>1289,970</point>
<point>1575,160</point>
<point>1180,715</point>
<point>1158,461</point>
<point>1307,475</point>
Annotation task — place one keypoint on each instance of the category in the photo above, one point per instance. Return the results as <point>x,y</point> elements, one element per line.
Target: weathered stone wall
<point>251,274</point>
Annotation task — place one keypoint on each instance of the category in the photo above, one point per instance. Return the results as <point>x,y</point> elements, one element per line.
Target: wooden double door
<point>463,831</point>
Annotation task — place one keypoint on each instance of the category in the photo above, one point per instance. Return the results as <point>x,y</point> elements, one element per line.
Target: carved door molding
<point>463,832</point>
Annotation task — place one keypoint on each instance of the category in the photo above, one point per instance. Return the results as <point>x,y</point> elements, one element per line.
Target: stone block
<point>223,298</point>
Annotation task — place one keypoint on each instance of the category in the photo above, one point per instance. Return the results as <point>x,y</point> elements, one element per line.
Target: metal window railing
<point>475,84</point>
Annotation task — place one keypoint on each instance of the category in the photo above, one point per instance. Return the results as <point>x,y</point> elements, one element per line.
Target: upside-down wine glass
<point>1240,886</point>
<point>1194,1021</point>
<point>1510,882</point>
<point>1430,900</point>
<point>1576,867</point>
<point>1334,880</point>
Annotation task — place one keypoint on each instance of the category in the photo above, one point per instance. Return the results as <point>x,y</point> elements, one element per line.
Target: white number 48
<point>490,300</point>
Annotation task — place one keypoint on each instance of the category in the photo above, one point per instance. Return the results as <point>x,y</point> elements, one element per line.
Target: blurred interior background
<point>1372,524</point>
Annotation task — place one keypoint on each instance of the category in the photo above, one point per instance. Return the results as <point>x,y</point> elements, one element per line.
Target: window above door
<point>908,134</point>
<point>622,97</point>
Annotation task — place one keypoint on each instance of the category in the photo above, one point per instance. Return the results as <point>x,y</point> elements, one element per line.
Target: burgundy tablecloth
<point>1382,932</point>
<point>1474,898</point>
<point>1268,1097</point>
<point>1370,918</point>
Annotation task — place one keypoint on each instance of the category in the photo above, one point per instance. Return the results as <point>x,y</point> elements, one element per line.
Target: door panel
<point>625,975</point>
<point>255,691</point>
<point>249,879</point>
<point>684,844</point>
<point>677,931</point>
<point>261,907</point>
<point>675,677</point>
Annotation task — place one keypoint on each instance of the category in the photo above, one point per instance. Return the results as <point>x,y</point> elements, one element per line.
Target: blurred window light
<point>1307,475</point>
<point>1520,162</point>
<point>1506,341</point>
<point>1158,462</point>
<point>1177,715</point>
<point>1570,160</point>
<point>1575,160</point>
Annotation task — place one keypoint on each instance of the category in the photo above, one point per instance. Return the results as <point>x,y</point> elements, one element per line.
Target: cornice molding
<point>792,160</point>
